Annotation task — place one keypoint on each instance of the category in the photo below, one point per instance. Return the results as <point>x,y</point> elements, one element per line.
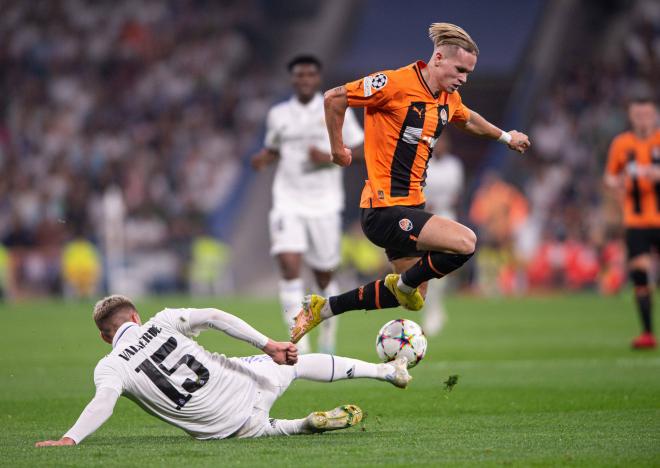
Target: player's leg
<point>323,256</point>
<point>330,368</point>
<point>394,228</point>
<point>288,242</point>
<point>273,380</point>
<point>639,264</point>
<point>434,314</point>
<point>449,245</point>
<point>328,329</point>
<point>400,230</point>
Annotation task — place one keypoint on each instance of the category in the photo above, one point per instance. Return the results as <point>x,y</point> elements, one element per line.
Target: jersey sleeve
<point>462,113</point>
<point>177,320</point>
<point>272,139</point>
<point>615,158</point>
<point>375,91</point>
<point>352,132</point>
<point>105,376</point>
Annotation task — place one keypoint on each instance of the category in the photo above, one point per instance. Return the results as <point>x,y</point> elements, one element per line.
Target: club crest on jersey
<point>443,116</point>
<point>405,224</point>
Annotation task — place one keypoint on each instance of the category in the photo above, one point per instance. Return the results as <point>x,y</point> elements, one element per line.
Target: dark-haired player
<point>308,193</point>
<point>633,170</point>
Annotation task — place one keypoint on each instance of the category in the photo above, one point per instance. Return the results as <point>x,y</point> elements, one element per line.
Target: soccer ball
<point>401,337</point>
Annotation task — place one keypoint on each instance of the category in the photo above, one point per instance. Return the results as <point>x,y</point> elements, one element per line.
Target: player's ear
<point>135,318</point>
<point>105,338</point>
<point>437,57</point>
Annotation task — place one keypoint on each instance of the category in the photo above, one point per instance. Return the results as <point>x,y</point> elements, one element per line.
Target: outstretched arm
<point>93,416</point>
<point>204,319</point>
<point>335,103</point>
<point>477,125</point>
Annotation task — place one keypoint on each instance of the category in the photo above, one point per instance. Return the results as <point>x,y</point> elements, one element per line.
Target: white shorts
<point>318,238</point>
<point>272,381</point>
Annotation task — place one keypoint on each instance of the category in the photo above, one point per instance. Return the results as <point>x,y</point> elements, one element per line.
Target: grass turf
<point>543,381</point>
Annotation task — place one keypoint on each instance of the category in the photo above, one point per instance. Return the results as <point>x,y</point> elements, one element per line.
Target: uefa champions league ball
<point>401,337</point>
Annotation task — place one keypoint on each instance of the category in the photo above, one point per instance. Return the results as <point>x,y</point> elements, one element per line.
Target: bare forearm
<point>335,104</point>
<point>477,125</point>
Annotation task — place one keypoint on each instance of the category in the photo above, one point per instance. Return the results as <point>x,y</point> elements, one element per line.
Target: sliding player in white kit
<point>444,183</point>
<point>308,193</point>
<point>208,395</point>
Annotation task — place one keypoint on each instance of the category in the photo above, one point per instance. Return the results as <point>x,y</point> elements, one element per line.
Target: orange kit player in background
<point>633,170</point>
<point>405,113</point>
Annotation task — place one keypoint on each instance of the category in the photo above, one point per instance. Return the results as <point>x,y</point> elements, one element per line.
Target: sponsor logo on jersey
<point>405,224</point>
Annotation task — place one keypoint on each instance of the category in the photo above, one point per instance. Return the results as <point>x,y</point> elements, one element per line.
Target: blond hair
<point>108,308</point>
<point>450,34</point>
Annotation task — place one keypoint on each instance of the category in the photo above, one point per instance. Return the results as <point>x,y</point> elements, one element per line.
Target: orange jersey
<point>402,122</point>
<point>628,154</point>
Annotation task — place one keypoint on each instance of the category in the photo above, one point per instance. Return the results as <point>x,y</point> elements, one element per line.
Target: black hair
<point>642,97</point>
<point>304,60</point>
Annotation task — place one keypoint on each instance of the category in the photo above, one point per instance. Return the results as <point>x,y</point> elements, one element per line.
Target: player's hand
<point>56,443</point>
<point>519,141</point>
<point>292,354</point>
<point>282,352</point>
<point>319,157</point>
<point>342,158</point>
<point>260,160</point>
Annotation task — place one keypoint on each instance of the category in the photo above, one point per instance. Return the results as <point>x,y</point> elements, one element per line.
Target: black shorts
<point>395,228</point>
<point>640,240</point>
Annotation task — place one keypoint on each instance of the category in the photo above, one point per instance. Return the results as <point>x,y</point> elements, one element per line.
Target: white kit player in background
<point>444,184</point>
<point>308,193</point>
<point>210,396</point>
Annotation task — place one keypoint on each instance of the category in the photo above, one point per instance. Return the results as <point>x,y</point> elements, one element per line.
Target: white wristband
<point>505,138</point>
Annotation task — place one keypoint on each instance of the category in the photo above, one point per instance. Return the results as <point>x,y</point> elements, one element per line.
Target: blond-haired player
<point>406,110</point>
<point>210,396</point>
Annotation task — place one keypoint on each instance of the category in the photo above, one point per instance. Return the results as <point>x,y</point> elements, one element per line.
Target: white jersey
<point>302,187</point>
<point>444,184</point>
<point>169,375</point>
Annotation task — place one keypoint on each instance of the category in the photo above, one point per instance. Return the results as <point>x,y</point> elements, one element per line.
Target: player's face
<point>451,67</point>
<point>306,80</point>
<point>643,117</point>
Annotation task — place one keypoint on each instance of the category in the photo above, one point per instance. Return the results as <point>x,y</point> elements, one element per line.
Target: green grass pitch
<point>542,381</point>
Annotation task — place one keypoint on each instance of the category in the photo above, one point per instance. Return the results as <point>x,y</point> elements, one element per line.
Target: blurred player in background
<point>229,397</point>
<point>405,113</point>
<point>445,182</point>
<point>308,192</point>
<point>633,172</point>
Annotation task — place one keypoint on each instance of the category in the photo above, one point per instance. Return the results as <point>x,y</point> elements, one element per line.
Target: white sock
<point>403,287</point>
<point>328,328</point>
<point>329,368</point>
<point>287,427</point>
<point>291,296</point>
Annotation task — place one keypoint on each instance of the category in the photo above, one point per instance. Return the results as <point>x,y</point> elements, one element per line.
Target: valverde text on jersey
<point>130,351</point>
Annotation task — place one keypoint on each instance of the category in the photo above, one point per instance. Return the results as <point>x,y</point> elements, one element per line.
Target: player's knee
<point>468,242</point>
<point>639,277</point>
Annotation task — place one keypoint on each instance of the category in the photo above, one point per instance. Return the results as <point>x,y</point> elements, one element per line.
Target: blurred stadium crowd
<point>162,100</point>
<point>572,238</point>
<point>156,98</point>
